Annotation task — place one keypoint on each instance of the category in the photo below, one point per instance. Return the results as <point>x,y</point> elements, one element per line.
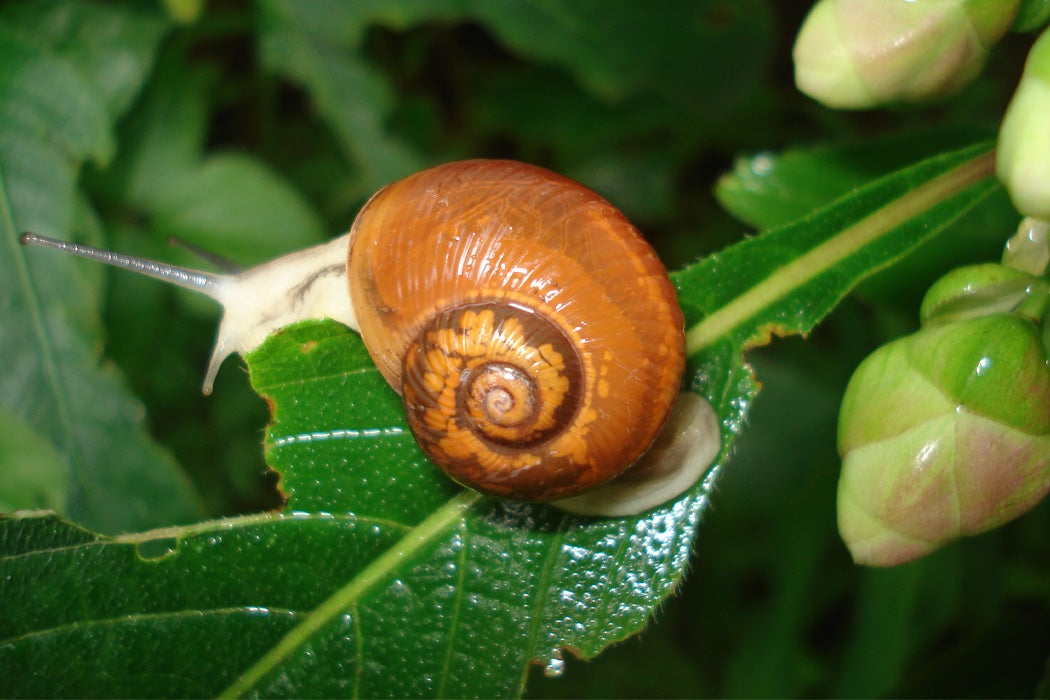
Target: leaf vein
<point>542,584</point>
<point>180,532</point>
<point>318,378</point>
<point>248,610</point>
<point>338,434</point>
<point>453,623</point>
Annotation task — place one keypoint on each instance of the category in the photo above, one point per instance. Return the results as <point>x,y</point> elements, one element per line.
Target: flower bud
<point>1028,250</point>
<point>982,290</point>
<point>943,433</point>
<point>1023,156</point>
<point>856,54</point>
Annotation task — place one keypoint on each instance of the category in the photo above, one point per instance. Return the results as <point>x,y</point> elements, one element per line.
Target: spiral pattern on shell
<point>533,334</point>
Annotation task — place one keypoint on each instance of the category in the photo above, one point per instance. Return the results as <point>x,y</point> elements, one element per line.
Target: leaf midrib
<point>347,596</point>
<point>823,257</point>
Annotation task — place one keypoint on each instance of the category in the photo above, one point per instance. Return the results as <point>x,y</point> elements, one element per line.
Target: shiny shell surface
<point>532,332</point>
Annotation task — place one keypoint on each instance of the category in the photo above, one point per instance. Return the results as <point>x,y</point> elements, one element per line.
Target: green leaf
<point>786,280</point>
<point>110,48</point>
<point>378,561</point>
<point>622,48</point>
<point>363,594</point>
<point>770,189</point>
<point>217,205</point>
<point>52,122</point>
<point>55,383</point>
<point>789,278</point>
<point>162,139</point>
<point>53,116</point>
<point>306,45</point>
<point>617,50</point>
<point>34,474</point>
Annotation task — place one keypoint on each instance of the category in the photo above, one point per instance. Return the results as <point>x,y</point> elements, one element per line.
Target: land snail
<point>533,334</point>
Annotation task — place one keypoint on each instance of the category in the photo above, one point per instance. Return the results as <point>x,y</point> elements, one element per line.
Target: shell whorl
<point>533,333</point>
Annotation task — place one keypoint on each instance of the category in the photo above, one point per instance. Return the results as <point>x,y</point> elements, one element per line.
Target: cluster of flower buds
<point>946,432</point>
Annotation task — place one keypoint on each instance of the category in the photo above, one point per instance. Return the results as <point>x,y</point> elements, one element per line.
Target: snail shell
<point>533,334</point>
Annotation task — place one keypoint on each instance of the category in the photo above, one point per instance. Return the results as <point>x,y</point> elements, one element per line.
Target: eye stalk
<point>204,282</point>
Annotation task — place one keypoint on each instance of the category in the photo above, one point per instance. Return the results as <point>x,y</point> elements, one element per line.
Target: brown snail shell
<point>533,334</point>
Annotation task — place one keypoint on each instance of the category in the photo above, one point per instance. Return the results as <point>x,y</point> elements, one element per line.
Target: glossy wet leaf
<point>382,577</point>
<point>773,189</point>
<point>769,189</point>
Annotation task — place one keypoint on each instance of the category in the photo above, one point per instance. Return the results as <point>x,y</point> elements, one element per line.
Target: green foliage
<point>61,102</point>
<point>253,130</point>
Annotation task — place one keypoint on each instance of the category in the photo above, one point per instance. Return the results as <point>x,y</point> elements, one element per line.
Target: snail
<point>534,336</point>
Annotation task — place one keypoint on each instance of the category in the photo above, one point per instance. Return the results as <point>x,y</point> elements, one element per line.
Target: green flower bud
<point>981,290</point>
<point>1023,157</point>
<point>1028,250</point>
<point>856,54</point>
<point>943,433</point>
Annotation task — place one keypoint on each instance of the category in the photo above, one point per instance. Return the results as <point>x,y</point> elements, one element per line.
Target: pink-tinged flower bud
<point>1023,155</point>
<point>857,54</point>
<point>944,433</point>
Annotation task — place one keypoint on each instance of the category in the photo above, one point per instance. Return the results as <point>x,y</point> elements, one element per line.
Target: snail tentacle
<point>195,280</point>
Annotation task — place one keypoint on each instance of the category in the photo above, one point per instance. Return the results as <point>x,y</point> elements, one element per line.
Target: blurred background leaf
<point>63,87</point>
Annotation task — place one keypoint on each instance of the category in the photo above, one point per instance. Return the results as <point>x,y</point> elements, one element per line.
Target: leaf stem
<point>355,589</point>
<point>832,251</point>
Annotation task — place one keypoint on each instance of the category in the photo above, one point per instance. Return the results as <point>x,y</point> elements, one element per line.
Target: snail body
<point>533,334</point>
